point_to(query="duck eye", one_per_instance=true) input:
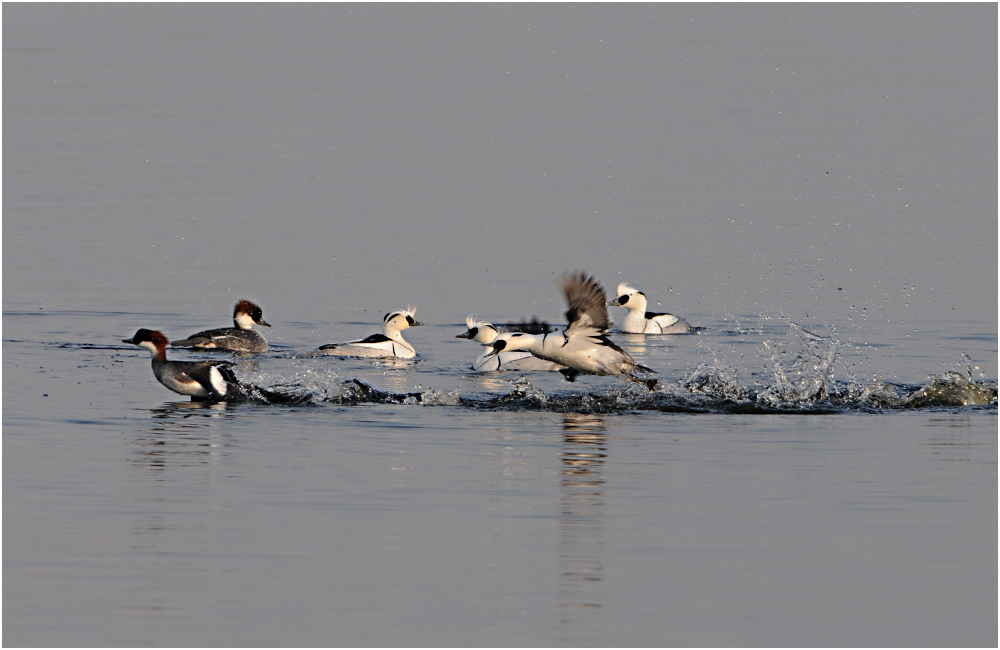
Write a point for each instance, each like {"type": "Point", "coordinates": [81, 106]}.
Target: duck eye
{"type": "Point", "coordinates": [499, 345]}
{"type": "Point", "coordinates": [473, 331]}
{"type": "Point", "coordinates": [409, 320]}
{"type": "Point", "coordinates": [622, 299]}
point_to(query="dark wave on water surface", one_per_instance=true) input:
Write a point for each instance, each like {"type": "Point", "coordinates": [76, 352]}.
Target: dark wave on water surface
{"type": "Point", "coordinates": [706, 391]}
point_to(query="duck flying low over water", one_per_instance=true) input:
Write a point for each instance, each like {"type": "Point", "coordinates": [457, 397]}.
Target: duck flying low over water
{"type": "Point", "coordinates": [640, 321]}
{"type": "Point", "coordinates": [201, 380]}
{"type": "Point", "coordinates": [242, 337]}
{"type": "Point", "coordinates": [583, 347]}
{"type": "Point", "coordinates": [390, 343]}
{"type": "Point", "coordinates": [484, 333]}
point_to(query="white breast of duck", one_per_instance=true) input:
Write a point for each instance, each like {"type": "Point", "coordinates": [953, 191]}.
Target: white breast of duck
{"type": "Point", "coordinates": [640, 321]}
{"type": "Point", "coordinates": [390, 343]}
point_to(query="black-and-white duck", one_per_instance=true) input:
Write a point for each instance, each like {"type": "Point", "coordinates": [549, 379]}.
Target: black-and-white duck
{"type": "Point", "coordinates": [390, 343]}
{"type": "Point", "coordinates": [640, 321]}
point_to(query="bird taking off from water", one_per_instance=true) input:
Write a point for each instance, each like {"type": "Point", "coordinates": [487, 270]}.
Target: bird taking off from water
{"type": "Point", "coordinates": [583, 347]}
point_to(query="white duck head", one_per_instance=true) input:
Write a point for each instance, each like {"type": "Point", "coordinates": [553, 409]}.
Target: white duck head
{"type": "Point", "coordinates": [479, 331]}
{"type": "Point", "coordinates": [397, 321]}
{"type": "Point", "coordinates": [630, 298]}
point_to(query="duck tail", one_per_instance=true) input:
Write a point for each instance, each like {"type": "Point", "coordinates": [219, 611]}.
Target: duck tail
{"type": "Point", "coordinates": [648, 382]}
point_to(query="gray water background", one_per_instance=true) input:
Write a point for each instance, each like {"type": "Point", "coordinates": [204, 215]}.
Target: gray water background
{"type": "Point", "coordinates": [746, 166]}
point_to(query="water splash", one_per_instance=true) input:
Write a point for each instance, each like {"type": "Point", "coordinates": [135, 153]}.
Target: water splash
{"type": "Point", "coordinates": [706, 390]}
{"type": "Point", "coordinates": [952, 389]}
{"type": "Point", "coordinates": [802, 368]}
{"type": "Point", "coordinates": [800, 379]}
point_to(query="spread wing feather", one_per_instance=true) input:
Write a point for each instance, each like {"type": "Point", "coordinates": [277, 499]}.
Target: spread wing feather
{"type": "Point", "coordinates": [587, 301]}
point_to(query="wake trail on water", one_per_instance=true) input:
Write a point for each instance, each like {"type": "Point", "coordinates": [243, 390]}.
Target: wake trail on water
{"type": "Point", "coordinates": [707, 390]}
{"type": "Point", "coordinates": [800, 381]}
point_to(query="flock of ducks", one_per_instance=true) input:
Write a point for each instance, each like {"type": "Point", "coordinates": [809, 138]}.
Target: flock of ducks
{"type": "Point", "coordinates": [583, 347]}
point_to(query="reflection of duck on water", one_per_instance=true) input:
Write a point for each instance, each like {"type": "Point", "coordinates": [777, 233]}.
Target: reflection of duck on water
{"type": "Point", "coordinates": [584, 422]}
{"type": "Point", "coordinates": [187, 409]}
{"type": "Point", "coordinates": [581, 520]}
{"type": "Point", "coordinates": [586, 443]}
{"type": "Point", "coordinates": [182, 434]}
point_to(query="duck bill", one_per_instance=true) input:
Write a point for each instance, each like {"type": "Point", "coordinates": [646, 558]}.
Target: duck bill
{"type": "Point", "coordinates": [263, 322]}
{"type": "Point", "coordinates": [467, 335]}
{"type": "Point", "coordinates": [497, 346]}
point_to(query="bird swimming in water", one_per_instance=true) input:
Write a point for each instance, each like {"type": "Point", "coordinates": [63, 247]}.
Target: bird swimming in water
{"type": "Point", "coordinates": [390, 343]}
{"type": "Point", "coordinates": [242, 337]}
{"type": "Point", "coordinates": [206, 381]}
{"type": "Point", "coordinates": [201, 380]}
{"type": "Point", "coordinates": [640, 321]}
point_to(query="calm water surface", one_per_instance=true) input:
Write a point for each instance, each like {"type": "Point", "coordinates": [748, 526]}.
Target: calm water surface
{"type": "Point", "coordinates": [814, 188]}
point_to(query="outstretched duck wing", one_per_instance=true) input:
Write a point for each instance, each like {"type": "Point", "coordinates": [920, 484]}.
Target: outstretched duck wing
{"type": "Point", "coordinates": [587, 301]}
